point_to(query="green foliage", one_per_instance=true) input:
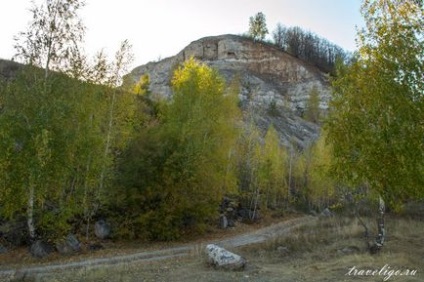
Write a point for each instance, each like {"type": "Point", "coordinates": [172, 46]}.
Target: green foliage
{"type": "Point", "coordinates": [313, 166]}
{"type": "Point", "coordinates": [176, 172]}
{"type": "Point", "coordinates": [60, 135]}
{"type": "Point", "coordinates": [248, 164]}
{"type": "Point", "coordinates": [142, 87]}
{"type": "Point", "coordinates": [272, 109]}
{"type": "Point", "coordinates": [273, 170]}
{"type": "Point", "coordinates": [312, 110]}
{"type": "Point", "coordinates": [375, 124]}
{"type": "Point", "coordinates": [257, 27]}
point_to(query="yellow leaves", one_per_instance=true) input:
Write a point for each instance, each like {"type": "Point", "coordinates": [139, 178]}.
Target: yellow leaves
{"type": "Point", "coordinates": [142, 87]}
{"type": "Point", "coordinates": [197, 75]}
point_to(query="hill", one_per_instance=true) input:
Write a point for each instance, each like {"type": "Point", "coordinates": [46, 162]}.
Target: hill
{"type": "Point", "coordinates": [274, 86]}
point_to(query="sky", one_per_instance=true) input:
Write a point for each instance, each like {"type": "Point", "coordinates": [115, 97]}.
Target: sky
{"type": "Point", "coordinates": [161, 28]}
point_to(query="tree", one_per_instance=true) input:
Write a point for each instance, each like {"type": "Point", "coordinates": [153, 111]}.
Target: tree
{"type": "Point", "coordinates": [279, 36]}
{"type": "Point", "coordinates": [273, 171]}
{"type": "Point", "coordinates": [312, 110]}
{"type": "Point", "coordinates": [53, 36]}
{"type": "Point", "coordinates": [319, 189]}
{"type": "Point", "coordinates": [309, 47]}
{"type": "Point", "coordinates": [65, 132]}
{"type": "Point", "coordinates": [375, 124]}
{"type": "Point", "coordinates": [257, 27]}
{"type": "Point", "coordinates": [175, 174]}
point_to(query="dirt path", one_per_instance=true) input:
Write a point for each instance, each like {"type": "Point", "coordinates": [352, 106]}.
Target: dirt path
{"type": "Point", "coordinates": [257, 236]}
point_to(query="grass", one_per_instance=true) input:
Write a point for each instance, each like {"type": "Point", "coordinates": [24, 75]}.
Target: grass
{"type": "Point", "coordinates": [327, 251]}
{"type": "Point", "coordinates": [322, 251]}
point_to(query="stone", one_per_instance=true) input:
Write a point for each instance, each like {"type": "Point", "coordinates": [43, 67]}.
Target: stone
{"type": "Point", "coordinates": [3, 249]}
{"type": "Point", "coordinates": [40, 249]}
{"type": "Point", "coordinates": [326, 213]}
{"type": "Point", "coordinates": [223, 222]}
{"type": "Point", "coordinates": [102, 229]}
{"type": "Point", "coordinates": [268, 76]}
{"type": "Point", "coordinates": [95, 247]}
{"type": "Point", "coordinates": [15, 232]}
{"type": "Point", "coordinates": [220, 258]}
{"type": "Point", "coordinates": [349, 250]}
{"type": "Point", "coordinates": [68, 246]}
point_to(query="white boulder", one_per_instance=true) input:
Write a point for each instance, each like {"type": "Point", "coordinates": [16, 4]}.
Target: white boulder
{"type": "Point", "coordinates": [221, 258]}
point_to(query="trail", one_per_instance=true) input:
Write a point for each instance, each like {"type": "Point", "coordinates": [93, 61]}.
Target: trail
{"type": "Point", "coordinates": [258, 236]}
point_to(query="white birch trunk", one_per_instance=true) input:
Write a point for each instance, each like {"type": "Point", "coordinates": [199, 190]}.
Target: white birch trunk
{"type": "Point", "coordinates": [30, 213]}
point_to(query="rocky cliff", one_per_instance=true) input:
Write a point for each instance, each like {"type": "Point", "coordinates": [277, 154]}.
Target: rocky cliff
{"type": "Point", "coordinates": [274, 85]}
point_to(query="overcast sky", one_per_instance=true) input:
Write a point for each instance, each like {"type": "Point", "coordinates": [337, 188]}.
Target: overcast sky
{"type": "Point", "coordinates": [161, 28]}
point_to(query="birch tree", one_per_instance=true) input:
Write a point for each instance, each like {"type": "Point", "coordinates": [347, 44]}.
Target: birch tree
{"type": "Point", "coordinates": [377, 109]}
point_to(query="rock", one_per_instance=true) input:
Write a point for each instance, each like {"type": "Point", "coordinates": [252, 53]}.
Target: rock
{"type": "Point", "coordinates": [326, 213]}
{"type": "Point", "coordinates": [15, 232]}
{"type": "Point", "coordinates": [223, 259]}
{"type": "Point", "coordinates": [68, 246]}
{"type": "Point", "coordinates": [40, 249]}
{"type": "Point", "coordinates": [95, 247]}
{"type": "Point", "coordinates": [223, 222]}
{"type": "Point", "coordinates": [231, 223]}
{"type": "Point", "coordinates": [269, 79]}
{"type": "Point", "coordinates": [101, 229]}
{"type": "Point", "coordinates": [3, 249]}
{"type": "Point", "coordinates": [349, 250]}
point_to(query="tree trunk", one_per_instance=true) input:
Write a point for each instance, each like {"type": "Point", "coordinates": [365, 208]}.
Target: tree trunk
{"type": "Point", "coordinates": [379, 240]}
{"type": "Point", "coordinates": [30, 213]}
{"type": "Point", "coordinates": [108, 141]}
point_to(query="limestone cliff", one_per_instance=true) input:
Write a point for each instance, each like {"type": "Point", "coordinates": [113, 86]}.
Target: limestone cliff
{"type": "Point", "coordinates": [274, 84]}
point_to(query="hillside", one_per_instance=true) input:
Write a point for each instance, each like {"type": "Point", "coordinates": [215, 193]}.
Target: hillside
{"type": "Point", "coordinates": [275, 86]}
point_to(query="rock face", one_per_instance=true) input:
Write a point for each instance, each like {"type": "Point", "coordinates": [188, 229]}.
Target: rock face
{"type": "Point", "coordinates": [275, 86]}
{"type": "Point", "coordinates": [223, 259]}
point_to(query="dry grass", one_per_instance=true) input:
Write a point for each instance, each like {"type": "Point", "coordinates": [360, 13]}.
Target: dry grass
{"type": "Point", "coordinates": [327, 251]}
{"type": "Point", "coordinates": [323, 251]}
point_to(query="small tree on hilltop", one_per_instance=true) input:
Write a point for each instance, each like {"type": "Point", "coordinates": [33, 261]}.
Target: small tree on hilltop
{"type": "Point", "coordinates": [257, 27]}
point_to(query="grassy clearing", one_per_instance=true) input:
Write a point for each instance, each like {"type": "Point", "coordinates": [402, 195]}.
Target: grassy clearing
{"type": "Point", "coordinates": [322, 251]}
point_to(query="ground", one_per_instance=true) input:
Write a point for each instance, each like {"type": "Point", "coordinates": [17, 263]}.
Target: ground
{"type": "Point", "coordinates": [321, 249]}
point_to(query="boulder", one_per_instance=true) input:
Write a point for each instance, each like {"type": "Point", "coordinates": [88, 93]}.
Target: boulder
{"type": "Point", "coordinates": [15, 231]}
{"type": "Point", "coordinates": [349, 250]}
{"type": "Point", "coordinates": [326, 213]}
{"type": "Point", "coordinates": [223, 259]}
{"type": "Point", "coordinates": [95, 247]}
{"type": "Point", "coordinates": [40, 249]}
{"type": "Point", "coordinates": [3, 249]}
{"type": "Point", "coordinates": [69, 245]}
{"type": "Point", "coordinates": [223, 222]}
{"type": "Point", "coordinates": [101, 229]}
